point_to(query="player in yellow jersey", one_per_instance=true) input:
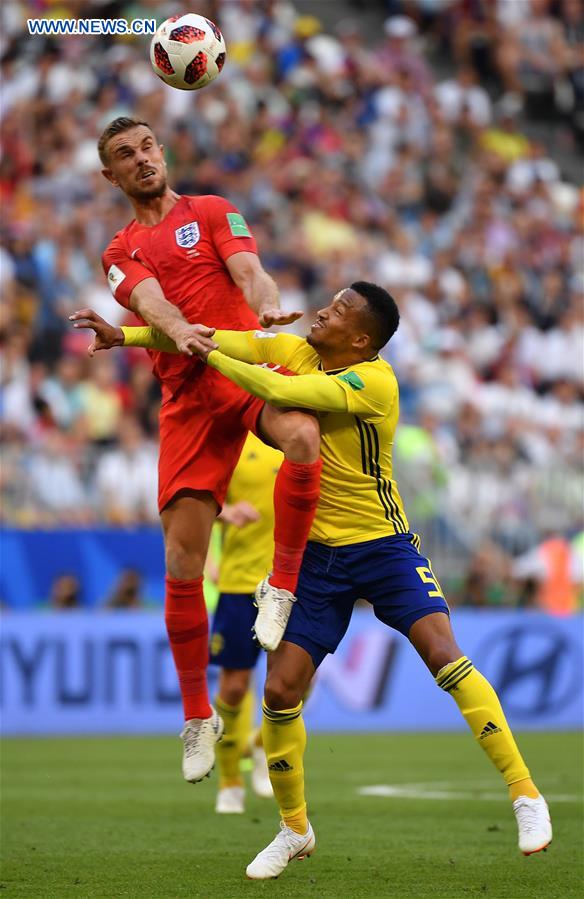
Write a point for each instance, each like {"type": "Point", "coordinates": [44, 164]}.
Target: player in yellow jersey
{"type": "Point", "coordinates": [360, 546]}
{"type": "Point", "coordinates": [247, 547]}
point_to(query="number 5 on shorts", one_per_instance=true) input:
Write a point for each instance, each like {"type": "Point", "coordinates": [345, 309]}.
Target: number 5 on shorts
{"type": "Point", "coordinates": [428, 577]}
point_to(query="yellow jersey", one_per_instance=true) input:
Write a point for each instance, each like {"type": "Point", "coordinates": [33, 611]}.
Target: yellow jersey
{"type": "Point", "coordinates": [359, 499]}
{"type": "Point", "coordinates": [358, 409]}
{"type": "Point", "coordinates": [246, 552]}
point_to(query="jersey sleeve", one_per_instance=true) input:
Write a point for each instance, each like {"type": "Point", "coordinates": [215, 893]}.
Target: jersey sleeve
{"type": "Point", "coordinates": [229, 230]}
{"type": "Point", "coordinates": [304, 391]}
{"type": "Point", "coordinates": [122, 272]}
{"type": "Point", "coordinates": [259, 346]}
{"type": "Point", "coordinates": [149, 338]}
{"type": "Point", "coordinates": [370, 394]}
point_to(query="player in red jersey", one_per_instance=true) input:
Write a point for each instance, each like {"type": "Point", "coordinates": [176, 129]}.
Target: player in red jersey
{"type": "Point", "coordinates": [182, 260]}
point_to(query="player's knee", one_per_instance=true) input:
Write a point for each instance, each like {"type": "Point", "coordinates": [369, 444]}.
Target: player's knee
{"type": "Point", "coordinates": [233, 695]}
{"type": "Point", "coordinates": [233, 688]}
{"type": "Point", "coordinates": [183, 562]}
{"type": "Point", "coordinates": [281, 692]}
{"type": "Point", "coordinates": [301, 442]}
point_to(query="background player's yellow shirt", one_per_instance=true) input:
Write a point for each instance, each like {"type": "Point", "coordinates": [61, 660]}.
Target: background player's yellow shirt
{"type": "Point", "coordinates": [246, 552]}
{"type": "Point", "coordinates": [359, 499]}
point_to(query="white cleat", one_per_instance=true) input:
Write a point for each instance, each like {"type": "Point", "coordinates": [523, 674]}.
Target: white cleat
{"type": "Point", "coordinates": [199, 736]}
{"type": "Point", "coordinates": [230, 801]}
{"type": "Point", "coordinates": [534, 824]}
{"type": "Point", "coordinates": [287, 845]}
{"type": "Point", "coordinates": [274, 605]}
{"type": "Point", "coordinates": [260, 776]}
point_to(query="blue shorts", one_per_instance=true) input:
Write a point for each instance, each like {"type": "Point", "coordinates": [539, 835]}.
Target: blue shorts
{"type": "Point", "coordinates": [232, 643]}
{"type": "Point", "coordinates": [389, 572]}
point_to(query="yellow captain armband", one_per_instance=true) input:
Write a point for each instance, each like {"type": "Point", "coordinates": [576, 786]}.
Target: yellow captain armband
{"type": "Point", "coordinates": [149, 338]}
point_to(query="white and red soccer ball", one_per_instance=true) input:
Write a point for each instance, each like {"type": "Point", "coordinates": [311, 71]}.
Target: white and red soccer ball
{"type": "Point", "coordinates": [187, 52]}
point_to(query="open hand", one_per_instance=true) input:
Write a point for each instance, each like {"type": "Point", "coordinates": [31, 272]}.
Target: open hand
{"type": "Point", "coordinates": [239, 514]}
{"type": "Point", "coordinates": [194, 339]}
{"type": "Point", "coordinates": [106, 335]}
{"type": "Point", "coordinates": [271, 317]}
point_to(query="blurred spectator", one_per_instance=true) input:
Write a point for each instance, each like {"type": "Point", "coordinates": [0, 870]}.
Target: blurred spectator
{"type": "Point", "coordinates": [65, 593]}
{"type": "Point", "coordinates": [62, 391]}
{"type": "Point", "coordinates": [505, 139]}
{"type": "Point", "coordinates": [399, 54]}
{"type": "Point", "coordinates": [126, 477]}
{"type": "Point", "coordinates": [533, 55]}
{"type": "Point", "coordinates": [555, 571]}
{"type": "Point", "coordinates": [127, 593]}
{"type": "Point", "coordinates": [487, 583]}
{"type": "Point", "coordinates": [56, 484]}
{"type": "Point", "coordinates": [101, 402]}
{"type": "Point", "coordinates": [463, 101]}
{"type": "Point", "coordinates": [524, 174]}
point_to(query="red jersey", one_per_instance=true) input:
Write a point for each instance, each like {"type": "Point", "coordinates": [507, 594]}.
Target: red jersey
{"type": "Point", "coordinates": [186, 252]}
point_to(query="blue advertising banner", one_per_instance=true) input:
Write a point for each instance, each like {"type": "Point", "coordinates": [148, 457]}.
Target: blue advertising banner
{"type": "Point", "coordinates": [31, 561]}
{"type": "Point", "coordinates": [91, 672]}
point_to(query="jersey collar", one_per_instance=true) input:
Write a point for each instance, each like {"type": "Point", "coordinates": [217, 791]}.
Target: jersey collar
{"type": "Point", "coordinates": [337, 371]}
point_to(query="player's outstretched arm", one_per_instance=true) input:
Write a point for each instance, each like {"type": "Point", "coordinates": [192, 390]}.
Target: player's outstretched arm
{"type": "Point", "coordinates": [304, 391]}
{"type": "Point", "coordinates": [259, 289]}
{"type": "Point", "coordinates": [238, 344]}
{"type": "Point", "coordinates": [108, 336]}
{"type": "Point", "coordinates": [105, 337]}
{"type": "Point", "coordinates": [149, 302]}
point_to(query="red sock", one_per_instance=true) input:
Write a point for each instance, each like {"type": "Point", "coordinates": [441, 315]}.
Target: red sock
{"type": "Point", "coordinates": [188, 632]}
{"type": "Point", "coordinates": [295, 497]}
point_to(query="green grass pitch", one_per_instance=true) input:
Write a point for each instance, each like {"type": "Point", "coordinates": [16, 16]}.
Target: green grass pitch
{"type": "Point", "coordinates": [111, 817]}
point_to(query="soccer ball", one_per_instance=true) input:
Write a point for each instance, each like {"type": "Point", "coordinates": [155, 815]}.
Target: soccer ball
{"type": "Point", "coordinates": [187, 52]}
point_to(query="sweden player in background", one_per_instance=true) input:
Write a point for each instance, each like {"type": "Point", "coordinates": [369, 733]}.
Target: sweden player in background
{"type": "Point", "coordinates": [247, 547]}
{"type": "Point", "coordinates": [360, 546]}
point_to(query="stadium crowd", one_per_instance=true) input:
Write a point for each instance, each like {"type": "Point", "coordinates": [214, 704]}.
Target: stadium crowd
{"type": "Point", "coordinates": [402, 160]}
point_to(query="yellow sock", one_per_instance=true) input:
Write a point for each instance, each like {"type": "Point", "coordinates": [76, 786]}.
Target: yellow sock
{"type": "Point", "coordinates": [258, 740]}
{"type": "Point", "coordinates": [482, 711]}
{"type": "Point", "coordinates": [525, 787]}
{"type": "Point", "coordinates": [284, 739]}
{"type": "Point", "coordinates": [245, 722]}
{"type": "Point", "coordinates": [229, 749]}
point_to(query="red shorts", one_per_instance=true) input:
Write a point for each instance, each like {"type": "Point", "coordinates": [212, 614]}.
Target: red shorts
{"type": "Point", "coordinates": [202, 431]}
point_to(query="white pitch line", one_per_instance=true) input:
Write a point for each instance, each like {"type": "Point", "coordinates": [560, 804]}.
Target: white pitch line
{"type": "Point", "coordinates": [425, 791]}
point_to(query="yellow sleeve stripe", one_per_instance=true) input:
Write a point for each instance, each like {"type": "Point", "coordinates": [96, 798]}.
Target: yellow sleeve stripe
{"type": "Point", "coordinates": [370, 466]}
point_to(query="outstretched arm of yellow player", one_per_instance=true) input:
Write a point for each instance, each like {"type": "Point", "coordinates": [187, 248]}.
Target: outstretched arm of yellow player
{"type": "Point", "coordinates": [342, 393]}
{"type": "Point", "coordinates": [149, 338]}
{"type": "Point", "coordinates": [233, 343]}
{"type": "Point", "coordinates": [304, 391]}
{"type": "Point", "coordinates": [249, 346]}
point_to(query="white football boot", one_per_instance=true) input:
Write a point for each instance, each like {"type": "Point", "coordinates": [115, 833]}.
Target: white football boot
{"type": "Point", "coordinates": [534, 824]}
{"type": "Point", "coordinates": [199, 736]}
{"type": "Point", "coordinates": [230, 801]}
{"type": "Point", "coordinates": [260, 776]}
{"type": "Point", "coordinates": [288, 844]}
{"type": "Point", "coordinates": [274, 605]}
